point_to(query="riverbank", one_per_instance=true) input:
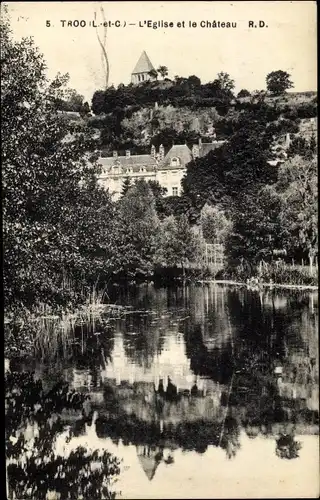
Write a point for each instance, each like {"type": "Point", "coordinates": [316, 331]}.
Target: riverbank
{"type": "Point", "coordinates": [260, 285]}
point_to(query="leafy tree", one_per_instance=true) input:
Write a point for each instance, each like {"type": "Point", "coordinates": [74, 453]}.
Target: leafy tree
{"type": "Point", "coordinates": [51, 217]}
{"type": "Point", "coordinates": [300, 146]}
{"type": "Point", "coordinates": [298, 191]}
{"type": "Point", "coordinates": [175, 205]}
{"type": "Point", "coordinates": [157, 190]}
{"type": "Point", "coordinates": [125, 186]}
{"type": "Point", "coordinates": [226, 82]}
{"type": "Point", "coordinates": [256, 230]}
{"type": "Point", "coordinates": [244, 93]}
{"type": "Point", "coordinates": [215, 225]}
{"type": "Point", "coordinates": [35, 470]}
{"type": "Point", "coordinates": [72, 101]}
{"type": "Point", "coordinates": [163, 71]}
{"type": "Point", "coordinates": [194, 81]}
{"type": "Point", "coordinates": [85, 108]}
{"type": "Point", "coordinates": [177, 244]}
{"type": "Point", "coordinates": [98, 102]}
{"type": "Point", "coordinates": [153, 73]}
{"type": "Point", "coordinates": [236, 168]}
{"type": "Point", "coordinates": [278, 82]}
{"type": "Point", "coordinates": [134, 230]}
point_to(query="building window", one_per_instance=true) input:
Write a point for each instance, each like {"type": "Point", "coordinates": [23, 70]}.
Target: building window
{"type": "Point", "coordinates": [175, 162]}
{"type": "Point", "coordinates": [174, 191]}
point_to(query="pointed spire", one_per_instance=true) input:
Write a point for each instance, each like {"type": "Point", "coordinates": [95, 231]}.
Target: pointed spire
{"type": "Point", "coordinates": [144, 65]}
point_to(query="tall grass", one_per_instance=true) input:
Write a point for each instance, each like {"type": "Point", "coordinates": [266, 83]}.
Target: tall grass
{"type": "Point", "coordinates": [274, 272]}
{"type": "Point", "coordinates": [45, 330]}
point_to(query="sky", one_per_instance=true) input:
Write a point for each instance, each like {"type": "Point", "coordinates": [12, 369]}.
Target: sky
{"type": "Point", "coordinates": [247, 54]}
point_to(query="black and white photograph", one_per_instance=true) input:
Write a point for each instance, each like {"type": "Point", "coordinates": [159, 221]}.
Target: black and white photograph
{"type": "Point", "coordinates": [160, 249]}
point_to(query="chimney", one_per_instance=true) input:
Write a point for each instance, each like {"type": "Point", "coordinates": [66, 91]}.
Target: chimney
{"type": "Point", "coordinates": [195, 151]}
{"type": "Point", "coordinates": [128, 153]}
{"type": "Point", "coordinates": [115, 154]}
{"type": "Point", "coordinates": [153, 151]}
{"type": "Point", "coordinates": [161, 152]}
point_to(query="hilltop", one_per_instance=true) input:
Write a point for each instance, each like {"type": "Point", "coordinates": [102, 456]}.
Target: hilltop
{"type": "Point", "coordinates": [182, 111]}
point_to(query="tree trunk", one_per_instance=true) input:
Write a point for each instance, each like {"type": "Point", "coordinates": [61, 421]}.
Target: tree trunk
{"type": "Point", "coordinates": [310, 262]}
{"type": "Point", "coordinates": [183, 272]}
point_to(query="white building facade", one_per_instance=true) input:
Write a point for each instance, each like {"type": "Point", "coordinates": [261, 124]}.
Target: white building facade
{"type": "Point", "coordinates": [167, 168]}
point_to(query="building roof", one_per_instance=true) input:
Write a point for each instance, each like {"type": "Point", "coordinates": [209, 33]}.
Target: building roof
{"type": "Point", "coordinates": [179, 151]}
{"type": "Point", "coordinates": [135, 162]}
{"type": "Point", "coordinates": [144, 65]}
{"type": "Point", "coordinates": [149, 461]}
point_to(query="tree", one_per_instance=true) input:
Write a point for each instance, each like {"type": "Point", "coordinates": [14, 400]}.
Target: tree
{"type": "Point", "coordinates": [157, 190]}
{"type": "Point", "coordinates": [278, 82]}
{"type": "Point", "coordinates": [244, 93]}
{"type": "Point", "coordinates": [153, 73]}
{"type": "Point", "coordinates": [125, 186]}
{"type": "Point", "coordinates": [73, 101]}
{"type": "Point", "coordinates": [51, 201]}
{"type": "Point", "coordinates": [215, 225]}
{"type": "Point", "coordinates": [194, 81]}
{"type": "Point", "coordinates": [256, 229]}
{"type": "Point", "coordinates": [163, 70]}
{"type": "Point", "coordinates": [177, 245]}
{"type": "Point", "coordinates": [236, 168]}
{"type": "Point", "coordinates": [298, 191]}
{"type": "Point", "coordinates": [134, 230]}
{"type": "Point", "coordinates": [35, 470]}
{"type": "Point", "coordinates": [226, 82]}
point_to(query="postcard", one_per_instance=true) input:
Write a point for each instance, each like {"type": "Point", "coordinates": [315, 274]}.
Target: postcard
{"type": "Point", "coordinates": [160, 249]}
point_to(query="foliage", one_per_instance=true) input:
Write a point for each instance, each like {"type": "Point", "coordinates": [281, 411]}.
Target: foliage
{"type": "Point", "coordinates": [55, 218]}
{"type": "Point", "coordinates": [125, 186]}
{"type": "Point", "coordinates": [181, 92]}
{"type": "Point", "coordinates": [153, 73]}
{"type": "Point", "coordinates": [34, 468]}
{"type": "Point", "coordinates": [300, 146]}
{"type": "Point", "coordinates": [243, 93]}
{"type": "Point", "coordinates": [225, 82]}
{"type": "Point", "coordinates": [163, 71]}
{"type": "Point", "coordinates": [215, 225]}
{"type": "Point", "coordinates": [287, 447]}
{"type": "Point", "coordinates": [274, 272]}
{"type": "Point", "coordinates": [278, 82]}
{"type": "Point", "coordinates": [73, 101]}
{"type": "Point", "coordinates": [134, 229]}
{"type": "Point", "coordinates": [298, 191]}
{"type": "Point", "coordinates": [177, 245]}
{"type": "Point", "coordinates": [256, 230]}
{"type": "Point", "coordinates": [237, 168]}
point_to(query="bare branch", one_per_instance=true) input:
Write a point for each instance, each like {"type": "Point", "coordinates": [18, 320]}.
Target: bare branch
{"type": "Point", "coordinates": [103, 46]}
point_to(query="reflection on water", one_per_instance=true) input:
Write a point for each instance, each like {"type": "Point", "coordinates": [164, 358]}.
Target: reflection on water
{"type": "Point", "coordinates": [187, 371]}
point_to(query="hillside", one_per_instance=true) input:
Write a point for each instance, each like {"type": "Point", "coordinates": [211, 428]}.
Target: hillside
{"type": "Point", "coordinates": [141, 121]}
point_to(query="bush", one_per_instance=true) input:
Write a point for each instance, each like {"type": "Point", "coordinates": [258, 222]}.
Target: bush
{"type": "Point", "coordinates": [309, 110]}
{"type": "Point", "coordinates": [277, 273]}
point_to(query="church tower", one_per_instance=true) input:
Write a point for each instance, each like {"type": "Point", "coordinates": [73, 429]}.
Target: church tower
{"type": "Point", "coordinates": [141, 70]}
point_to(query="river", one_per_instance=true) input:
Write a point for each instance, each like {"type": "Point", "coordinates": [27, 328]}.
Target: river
{"type": "Point", "coordinates": [203, 391]}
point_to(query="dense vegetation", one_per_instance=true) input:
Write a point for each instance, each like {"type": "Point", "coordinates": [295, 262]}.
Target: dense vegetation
{"type": "Point", "coordinates": [62, 233]}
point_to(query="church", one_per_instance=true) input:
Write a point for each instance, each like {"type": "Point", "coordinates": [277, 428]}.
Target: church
{"type": "Point", "coordinates": [141, 71]}
{"type": "Point", "coordinates": [166, 167]}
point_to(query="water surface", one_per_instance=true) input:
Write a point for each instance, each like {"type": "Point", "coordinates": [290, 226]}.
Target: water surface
{"type": "Point", "coordinates": [202, 391]}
